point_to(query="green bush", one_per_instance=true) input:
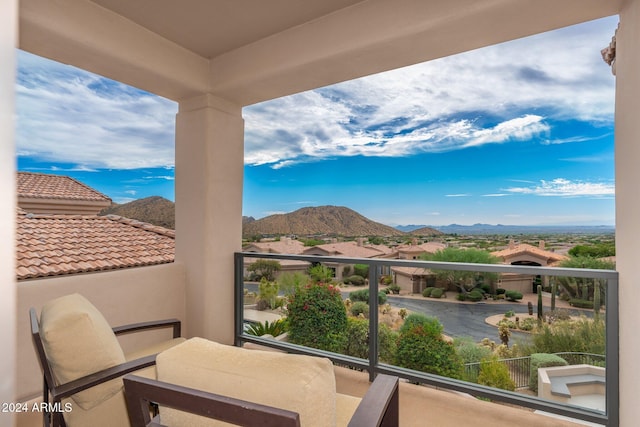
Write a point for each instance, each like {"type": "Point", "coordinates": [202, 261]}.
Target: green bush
{"type": "Point", "coordinates": [475, 296]}
{"type": "Point", "coordinates": [584, 335]}
{"type": "Point", "coordinates": [495, 374]}
{"type": "Point", "coordinates": [357, 338]}
{"type": "Point", "coordinates": [395, 289]}
{"type": "Point", "coordinates": [268, 295]}
{"type": "Point", "coordinates": [509, 313]}
{"type": "Point", "coordinates": [513, 295]}
{"type": "Point", "coordinates": [421, 349]}
{"type": "Point", "coordinates": [427, 291]}
{"type": "Point", "coordinates": [354, 280]}
{"type": "Point", "coordinates": [437, 293]}
{"type": "Point", "coordinates": [486, 288]}
{"type": "Point", "coordinates": [360, 307]}
{"type": "Point", "coordinates": [321, 274]}
{"type": "Point", "coordinates": [508, 323]}
{"type": "Point", "coordinates": [527, 324]}
{"type": "Point", "coordinates": [274, 328]}
{"type": "Point", "coordinates": [387, 343]}
{"type": "Point", "coordinates": [500, 291]}
{"type": "Point", "coordinates": [363, 295]}
{"type": "Point", "coordinates": [361, 270]}
{"type": "Point", "coordinates": [461, 297]}
{"type": "Point", "coordinates": [581, 303]}
{"type": "Point", "coordinates": [469, 351]}
{"type": "Point", "coordinates": [542, 360]}
{"type": "Point", "coordinates": [386, 280]}
{"type": "Point", "coordinates": [317, 317]}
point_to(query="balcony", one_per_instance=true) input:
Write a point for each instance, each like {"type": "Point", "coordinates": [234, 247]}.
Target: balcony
{"type": "Point", "coordinates": [138, 294]}
{"type": "Point", "coordinates": [212, 76]}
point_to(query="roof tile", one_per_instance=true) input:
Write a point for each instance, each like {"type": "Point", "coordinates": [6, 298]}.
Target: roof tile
{"type": "Point", "coordinates": [42, 186]}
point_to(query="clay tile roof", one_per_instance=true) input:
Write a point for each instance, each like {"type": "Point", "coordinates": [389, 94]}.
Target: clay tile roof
{"type": "Point", "coordinates": [41, 186]}
{"type": "Point", "coordinates": [345, 249]}
{"type": "Point", "coordinates": [52, 245]}
{"type": "Point", "coordinates": [523, 248]}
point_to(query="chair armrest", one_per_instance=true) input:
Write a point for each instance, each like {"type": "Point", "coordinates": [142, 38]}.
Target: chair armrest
{"type": "Point", "coordinates": [156, 324]}
{"type": "Point", "coordinates": [83, 383]}
{"type": "Point", "coordinates": [380, 405]}
{"type": "Point", "coordinates": [139, 392]}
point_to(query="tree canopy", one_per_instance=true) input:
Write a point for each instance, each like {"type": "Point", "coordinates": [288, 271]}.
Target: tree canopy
{"type": "Point", "coordinates": [463, 280]}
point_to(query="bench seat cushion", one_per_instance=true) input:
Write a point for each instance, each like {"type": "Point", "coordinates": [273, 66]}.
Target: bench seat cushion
{"type": "Point", "coordinates": [298, 383]}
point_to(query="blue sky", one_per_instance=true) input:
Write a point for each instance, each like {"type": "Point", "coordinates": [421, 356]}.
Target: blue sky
{"type": "Point", "coordinates": [517, 133]}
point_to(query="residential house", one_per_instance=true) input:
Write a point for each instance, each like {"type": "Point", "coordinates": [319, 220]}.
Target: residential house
{"type": "Point", "coordinates": [525, 254]}
{"type": "Point", "coordinates": [350, 249]}
{"type": "Point", "coordinates": [213, 63]}
{"type": "Point", "coordinates": [411, 279]}
{"type": "Point", "coordinates": [286, 245]}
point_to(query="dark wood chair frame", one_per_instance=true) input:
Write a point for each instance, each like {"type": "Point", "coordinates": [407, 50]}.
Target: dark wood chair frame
{"type": "Point", "coordinates": [379, 407]}
{"type": "Point", "coordinates": [54, 393]}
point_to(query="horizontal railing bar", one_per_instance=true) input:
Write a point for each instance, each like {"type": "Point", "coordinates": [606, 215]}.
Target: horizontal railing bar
{"type": "Point", "coordinates": [433, 265]}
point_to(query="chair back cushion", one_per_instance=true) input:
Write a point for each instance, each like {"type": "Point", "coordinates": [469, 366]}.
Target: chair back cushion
{"type": "Point", "coordinates": [298, 383]}
{"type": "Point", "coordinates": [78, 341]}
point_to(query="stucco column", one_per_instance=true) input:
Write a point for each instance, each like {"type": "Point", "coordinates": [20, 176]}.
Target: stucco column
{"type": "Point", "coordinates": [8, 368]}
{"type": "Point", "coordinates": [209, 172]}
{"type": "Point", "coordinates": [627, 137]}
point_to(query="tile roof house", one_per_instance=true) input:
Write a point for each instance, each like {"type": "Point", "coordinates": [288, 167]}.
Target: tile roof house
{"type": "Point", "coordinates": [49, 243]}
{"type": "Point", "coordinates": [56, 194]}
{"type": "Point", "coordinates": [525, 254]}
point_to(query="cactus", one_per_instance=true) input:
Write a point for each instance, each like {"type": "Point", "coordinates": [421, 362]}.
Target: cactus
{"type": "Point", "coordinates": [540, 313]}
{"type": "Point", "coordinates": [530, 308]}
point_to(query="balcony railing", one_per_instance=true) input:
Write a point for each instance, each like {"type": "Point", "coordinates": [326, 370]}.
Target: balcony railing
{"type": "Point", "coordinates": [373, 366]}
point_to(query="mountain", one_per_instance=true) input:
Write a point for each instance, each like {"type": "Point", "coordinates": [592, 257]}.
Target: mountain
{"type": "Point", "coordinates": [155, 210]}
{"type": "Point", "coordinates": [409, 228]}
{"type": "Point", "coordinates": [425, 231]}
{"type": "Point", "coordinates": [332, 220]}
{"type": "Point", "coordinates": [523, 229]}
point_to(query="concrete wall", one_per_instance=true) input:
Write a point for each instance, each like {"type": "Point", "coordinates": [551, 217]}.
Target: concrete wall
{"type": "Point", "coordinates": [123, 296]}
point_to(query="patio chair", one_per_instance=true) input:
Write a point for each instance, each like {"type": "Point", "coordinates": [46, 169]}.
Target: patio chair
{"type": "Point", "coordinates": [203, 383]}
{"type": "Point", "coordinates": [82, 362]}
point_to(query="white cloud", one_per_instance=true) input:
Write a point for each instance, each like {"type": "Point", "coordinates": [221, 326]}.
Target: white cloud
{"type": "Point", "coordinates": [507, 92]}
{"type": "Point", "coordinates": [71, 116]}
{"type": "Point", "coordinates": [561, 187]}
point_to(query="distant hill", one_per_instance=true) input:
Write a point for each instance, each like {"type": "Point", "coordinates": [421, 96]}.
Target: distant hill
{"type": "Point", "coordinates": [331, 220]}
{"type": "Point", "coordinates": [155, 210]}
{"type": "Point", "coordinates": [524, 229]}
{"type": "Point", "coordinates": [425, 231]}
{"type": "Point", "coordinates": [247, 219]}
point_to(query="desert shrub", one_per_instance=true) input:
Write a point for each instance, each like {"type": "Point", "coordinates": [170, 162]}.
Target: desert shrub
{"type": "Point", "coordinates": [527, 324]}
{"type": "Point", "coordinates": [485, 287]}
{"type": "Point", "coordinates": [386, 280]}
{"type": "Point", "coordinates": [495, 374]}
{"type": "Point", "coordinates": [509, 313]}
{"type": "Point", "coordinates": [581, 303]}
{"type": "Point", "coordinates": [508, 323]}
{"type": "Point", "coordinates": [542, 360]}
{"type": "Point", "coordinates": [500, 291]}
{"type": "Point", "coordinates": [461, 297]}
{"type": "Point", "coordinates": [437, 293]}
{"type": "Point", "coordinates": [427, 291]}
{"type": "Point", "coordinates": [363, 295]}
{"type": "Point", "coordinates": [289, 283]}
{"type": "Point", "coordinates": [475, 296]}
{"type": "Point", "coordinates": [361, 270]}
{"type": "Point", "coordinates": [274, 328]}
{"type": "Point", "coordinates": [387, 343]}
{"type": "Point", "coordinates": [584, 335]}
{"type": "Point", "coordinates": [268, 295]}
{"type": "Point", "coordinates": [346, 271]}
{"type": "Point", "coordinates": [469, 351]}
{"type": "Point", "coordinates": [360, 307]}
{"type": "Point", "coordinates": [513, 295]}
{"type": "Point", "coordinates": [354, 280]}
{"type": "Point", "coordinates": [264, 269]}
{"type": "Point", "coordinates": [395, 289]}
{"type": "Point", "coordinates": [422, 348]}
{"type": "Point", "coordinates": [320, 274]}
{"type": "Point", "coordinates": [357, 337]}
{"type": "Point", "coordinates": [317, 317]}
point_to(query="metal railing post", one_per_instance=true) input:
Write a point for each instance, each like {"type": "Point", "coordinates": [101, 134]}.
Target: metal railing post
{"type": "Point", "coordinates": [374, 278]}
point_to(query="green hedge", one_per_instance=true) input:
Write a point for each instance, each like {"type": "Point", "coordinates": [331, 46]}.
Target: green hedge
{"type": "Point", "coordinates": [363, 295]}
{"type": "Point", "coordinates": [354, 280]}
{"type": "Point", "coordinates": [437, 293]}
{"type": "Point", "coordinates": [427, 291]}
{"type": "Point", "coordinates": [542, 360]}
{"type": "Point", "coordinates": [475, 296]}
{"type": "Point", "coordinates": [513, 295]}
{"type": "Point", "coordinates": [360, 307]}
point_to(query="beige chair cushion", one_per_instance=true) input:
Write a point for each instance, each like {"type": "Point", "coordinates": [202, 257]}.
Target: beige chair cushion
{"type": "Point", "coordinates": [78, 341]}
{"type": "Point", "coordinates": [302, 384]}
